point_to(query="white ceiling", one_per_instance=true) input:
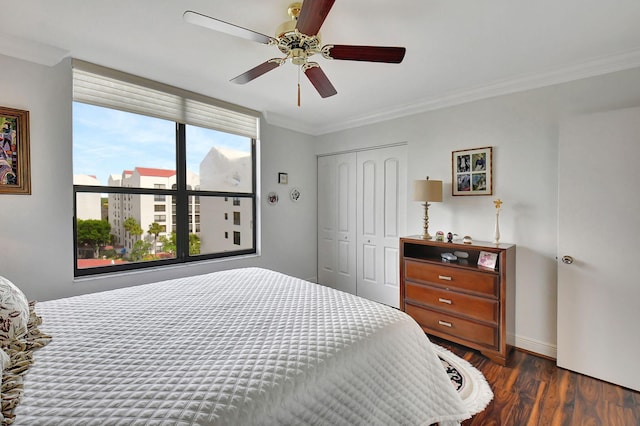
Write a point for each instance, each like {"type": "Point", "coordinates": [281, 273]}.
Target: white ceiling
{"type": "Point", "coordinates": [457, 50]}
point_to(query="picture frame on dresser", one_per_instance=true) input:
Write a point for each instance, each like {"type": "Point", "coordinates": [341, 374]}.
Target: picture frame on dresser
{"type": "Point", "coordinates": [487, 259]}
{"type": "Point", "coordinates": [472, 171]}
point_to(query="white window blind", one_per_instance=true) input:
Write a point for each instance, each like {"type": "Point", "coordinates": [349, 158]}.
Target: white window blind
{"type": "Point", "coordinates": [96, 85]}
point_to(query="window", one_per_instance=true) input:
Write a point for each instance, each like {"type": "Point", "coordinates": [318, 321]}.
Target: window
{"type": "Point", "coordinates": [236, 201]}
{"type": "Point", "coordinates": [160, 150]}
{"type": "Point", "coordinates": [236, 218]}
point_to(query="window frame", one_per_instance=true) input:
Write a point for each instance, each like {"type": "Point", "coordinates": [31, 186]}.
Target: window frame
{"type": "Point", "coordinates": [181, 192]}
{"type": "Point", "coordinates": [182, 215]}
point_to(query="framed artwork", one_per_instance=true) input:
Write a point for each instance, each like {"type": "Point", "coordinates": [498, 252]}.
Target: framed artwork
{"type": "Point", "coordinates": [471, 171]}
{"type": "Point", "coordinates": [14, 152]}
{"type": "Point", "coordinates": [283, 178]}
{"type": "Point", "coordinates": [487, 260]}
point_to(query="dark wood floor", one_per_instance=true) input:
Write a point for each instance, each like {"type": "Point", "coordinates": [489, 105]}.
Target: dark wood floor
{"type": "Point", "coordinates": [532, 391]}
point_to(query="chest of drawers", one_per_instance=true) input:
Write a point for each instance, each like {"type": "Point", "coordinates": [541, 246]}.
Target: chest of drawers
{"type": "Point", "coordinates": [460, 301]}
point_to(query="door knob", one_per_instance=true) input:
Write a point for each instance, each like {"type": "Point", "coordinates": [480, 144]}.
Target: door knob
{"type": "Point", "coordinates": [567, 259]}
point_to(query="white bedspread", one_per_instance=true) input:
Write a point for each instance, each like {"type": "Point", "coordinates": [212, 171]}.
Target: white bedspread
{"type": "Point", "coordinates": [241, 347]}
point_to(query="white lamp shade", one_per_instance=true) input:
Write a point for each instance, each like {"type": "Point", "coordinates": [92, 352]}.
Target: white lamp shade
{"type": "Point", "coordinates": [427, 190]}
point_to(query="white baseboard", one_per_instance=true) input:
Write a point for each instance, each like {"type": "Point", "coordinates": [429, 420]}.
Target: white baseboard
{"type": "Point", "coordinates": [536, 346]}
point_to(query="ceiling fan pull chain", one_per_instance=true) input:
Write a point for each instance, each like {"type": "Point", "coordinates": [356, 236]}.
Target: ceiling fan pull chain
{"type": "Point", "coordinates": [299, 85]}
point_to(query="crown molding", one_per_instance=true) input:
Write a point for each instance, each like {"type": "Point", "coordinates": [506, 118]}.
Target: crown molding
{"type": "Point", "coordinates": [591, 68]}
{"type": "Point", "coordinates": [31, 51]}
{"type": "Point", "coordinates": [286, 122]}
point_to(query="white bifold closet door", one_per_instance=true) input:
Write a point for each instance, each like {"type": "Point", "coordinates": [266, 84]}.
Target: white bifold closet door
{"type": "Point", "coordinates": [361, 216]}
{"type": "Point", "coordinates": [337, 221]}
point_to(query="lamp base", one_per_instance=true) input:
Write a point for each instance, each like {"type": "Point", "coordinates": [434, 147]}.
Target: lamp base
{"type": "Point", "coordinates": [425, 233]}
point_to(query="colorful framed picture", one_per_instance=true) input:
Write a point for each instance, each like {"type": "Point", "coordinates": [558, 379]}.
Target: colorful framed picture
{"type": "Point", "coordinates": [472, 171]}
{"type": "Point", "coordinates": [14, 152]}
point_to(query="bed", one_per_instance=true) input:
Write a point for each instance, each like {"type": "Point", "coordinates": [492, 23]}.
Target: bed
{"type": "Point", "coordinates": [241, 347]}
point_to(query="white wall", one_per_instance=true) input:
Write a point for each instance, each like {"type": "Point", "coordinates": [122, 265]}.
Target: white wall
{"type": "Point", "coordinates": [523, 131]}
{"type": "Point", "coordinates": [36, 235]}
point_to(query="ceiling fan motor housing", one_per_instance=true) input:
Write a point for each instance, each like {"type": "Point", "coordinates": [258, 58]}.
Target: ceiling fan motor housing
{"type": "Point", "coordinates": [291, 42]}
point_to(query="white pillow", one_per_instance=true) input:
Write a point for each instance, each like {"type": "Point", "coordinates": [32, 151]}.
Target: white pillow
{"type": "Point", "coordinates": [14, 312]}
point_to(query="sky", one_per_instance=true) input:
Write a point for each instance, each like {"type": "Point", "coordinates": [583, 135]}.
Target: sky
{"type": "Point", "coordinates": [107, 141]}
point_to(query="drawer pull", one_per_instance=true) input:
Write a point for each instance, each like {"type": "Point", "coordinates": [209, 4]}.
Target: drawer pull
{"type": "Point", "coordinates": [446, 324]}
{"type": "Point", "coordinates": [444, 277]}
{"type": "Point", "coordinates": [447, 301]}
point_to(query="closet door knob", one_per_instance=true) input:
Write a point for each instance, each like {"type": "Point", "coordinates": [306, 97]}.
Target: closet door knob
{"type": "Point", "coordinates": [567, 259]}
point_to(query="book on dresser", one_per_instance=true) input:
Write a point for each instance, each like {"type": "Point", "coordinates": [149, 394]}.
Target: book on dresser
{"type": "Point", "coordinates": [461, 300]}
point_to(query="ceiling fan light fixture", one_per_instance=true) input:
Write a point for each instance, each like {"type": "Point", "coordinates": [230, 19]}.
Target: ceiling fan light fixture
{"type": "Point", "coordinates": [298, 56]}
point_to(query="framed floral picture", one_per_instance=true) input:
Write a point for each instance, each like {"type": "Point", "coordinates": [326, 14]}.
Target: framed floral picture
{"type": "Point", "coordinates": [14, 151]}
{"type": "Point", "coordinates": [471, 171]}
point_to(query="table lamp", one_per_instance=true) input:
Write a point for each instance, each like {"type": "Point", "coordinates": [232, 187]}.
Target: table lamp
{"type": "Point", "coordinates": [427, 190]}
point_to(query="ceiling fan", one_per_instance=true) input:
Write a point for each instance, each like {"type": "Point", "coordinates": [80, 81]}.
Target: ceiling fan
{"type": "Point", "coordinates": [298, 39]}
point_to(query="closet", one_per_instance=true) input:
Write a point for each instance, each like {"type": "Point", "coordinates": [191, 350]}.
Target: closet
{"type": "Point", "coordinates": [362, 199]}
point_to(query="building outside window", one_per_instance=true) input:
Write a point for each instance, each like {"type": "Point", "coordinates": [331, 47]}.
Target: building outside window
{"type": "Point", "coordinates": [216, 161]}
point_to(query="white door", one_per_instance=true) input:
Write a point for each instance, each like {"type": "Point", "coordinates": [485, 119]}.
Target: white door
{"type": "Point", "coordinates": [381, 204]}
{"type": "Point", "coordinates": [337, 221]}
{"type": "Point", "coordinates": [599, 229]}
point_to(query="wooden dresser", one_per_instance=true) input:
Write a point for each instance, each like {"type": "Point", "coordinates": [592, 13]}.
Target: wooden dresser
{"type": "Point", "coordinates": [458, 300]}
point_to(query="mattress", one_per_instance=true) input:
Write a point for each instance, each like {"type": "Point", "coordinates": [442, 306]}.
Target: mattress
{"type": "Point", "coordinates": [241, 347]}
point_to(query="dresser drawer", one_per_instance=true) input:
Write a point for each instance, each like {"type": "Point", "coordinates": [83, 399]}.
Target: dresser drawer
{"type": "Point", "coordinates": [483, 283]}
{"type": "Point", "coordinates": [448, 324]}
{"type": "Point", "coordinates": [446, 300]}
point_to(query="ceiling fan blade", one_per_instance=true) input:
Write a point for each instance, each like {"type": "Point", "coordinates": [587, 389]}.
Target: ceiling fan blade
{"type": "Point", "coordinates": [256, 72]}
{"type": "Point", "coordinates": [312, 15]}
{"type": "Point", "coordinates": [391, 55]}
{"type": "Point", "coordinates": [319, 79]}
{"type": "Point", "coordinates": [224, 27]}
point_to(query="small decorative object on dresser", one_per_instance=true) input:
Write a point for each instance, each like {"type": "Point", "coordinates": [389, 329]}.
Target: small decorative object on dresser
{"type": "Point", "coordinates": [461, 301]}
{"type": "Point", "coordinates": [498, 204]}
